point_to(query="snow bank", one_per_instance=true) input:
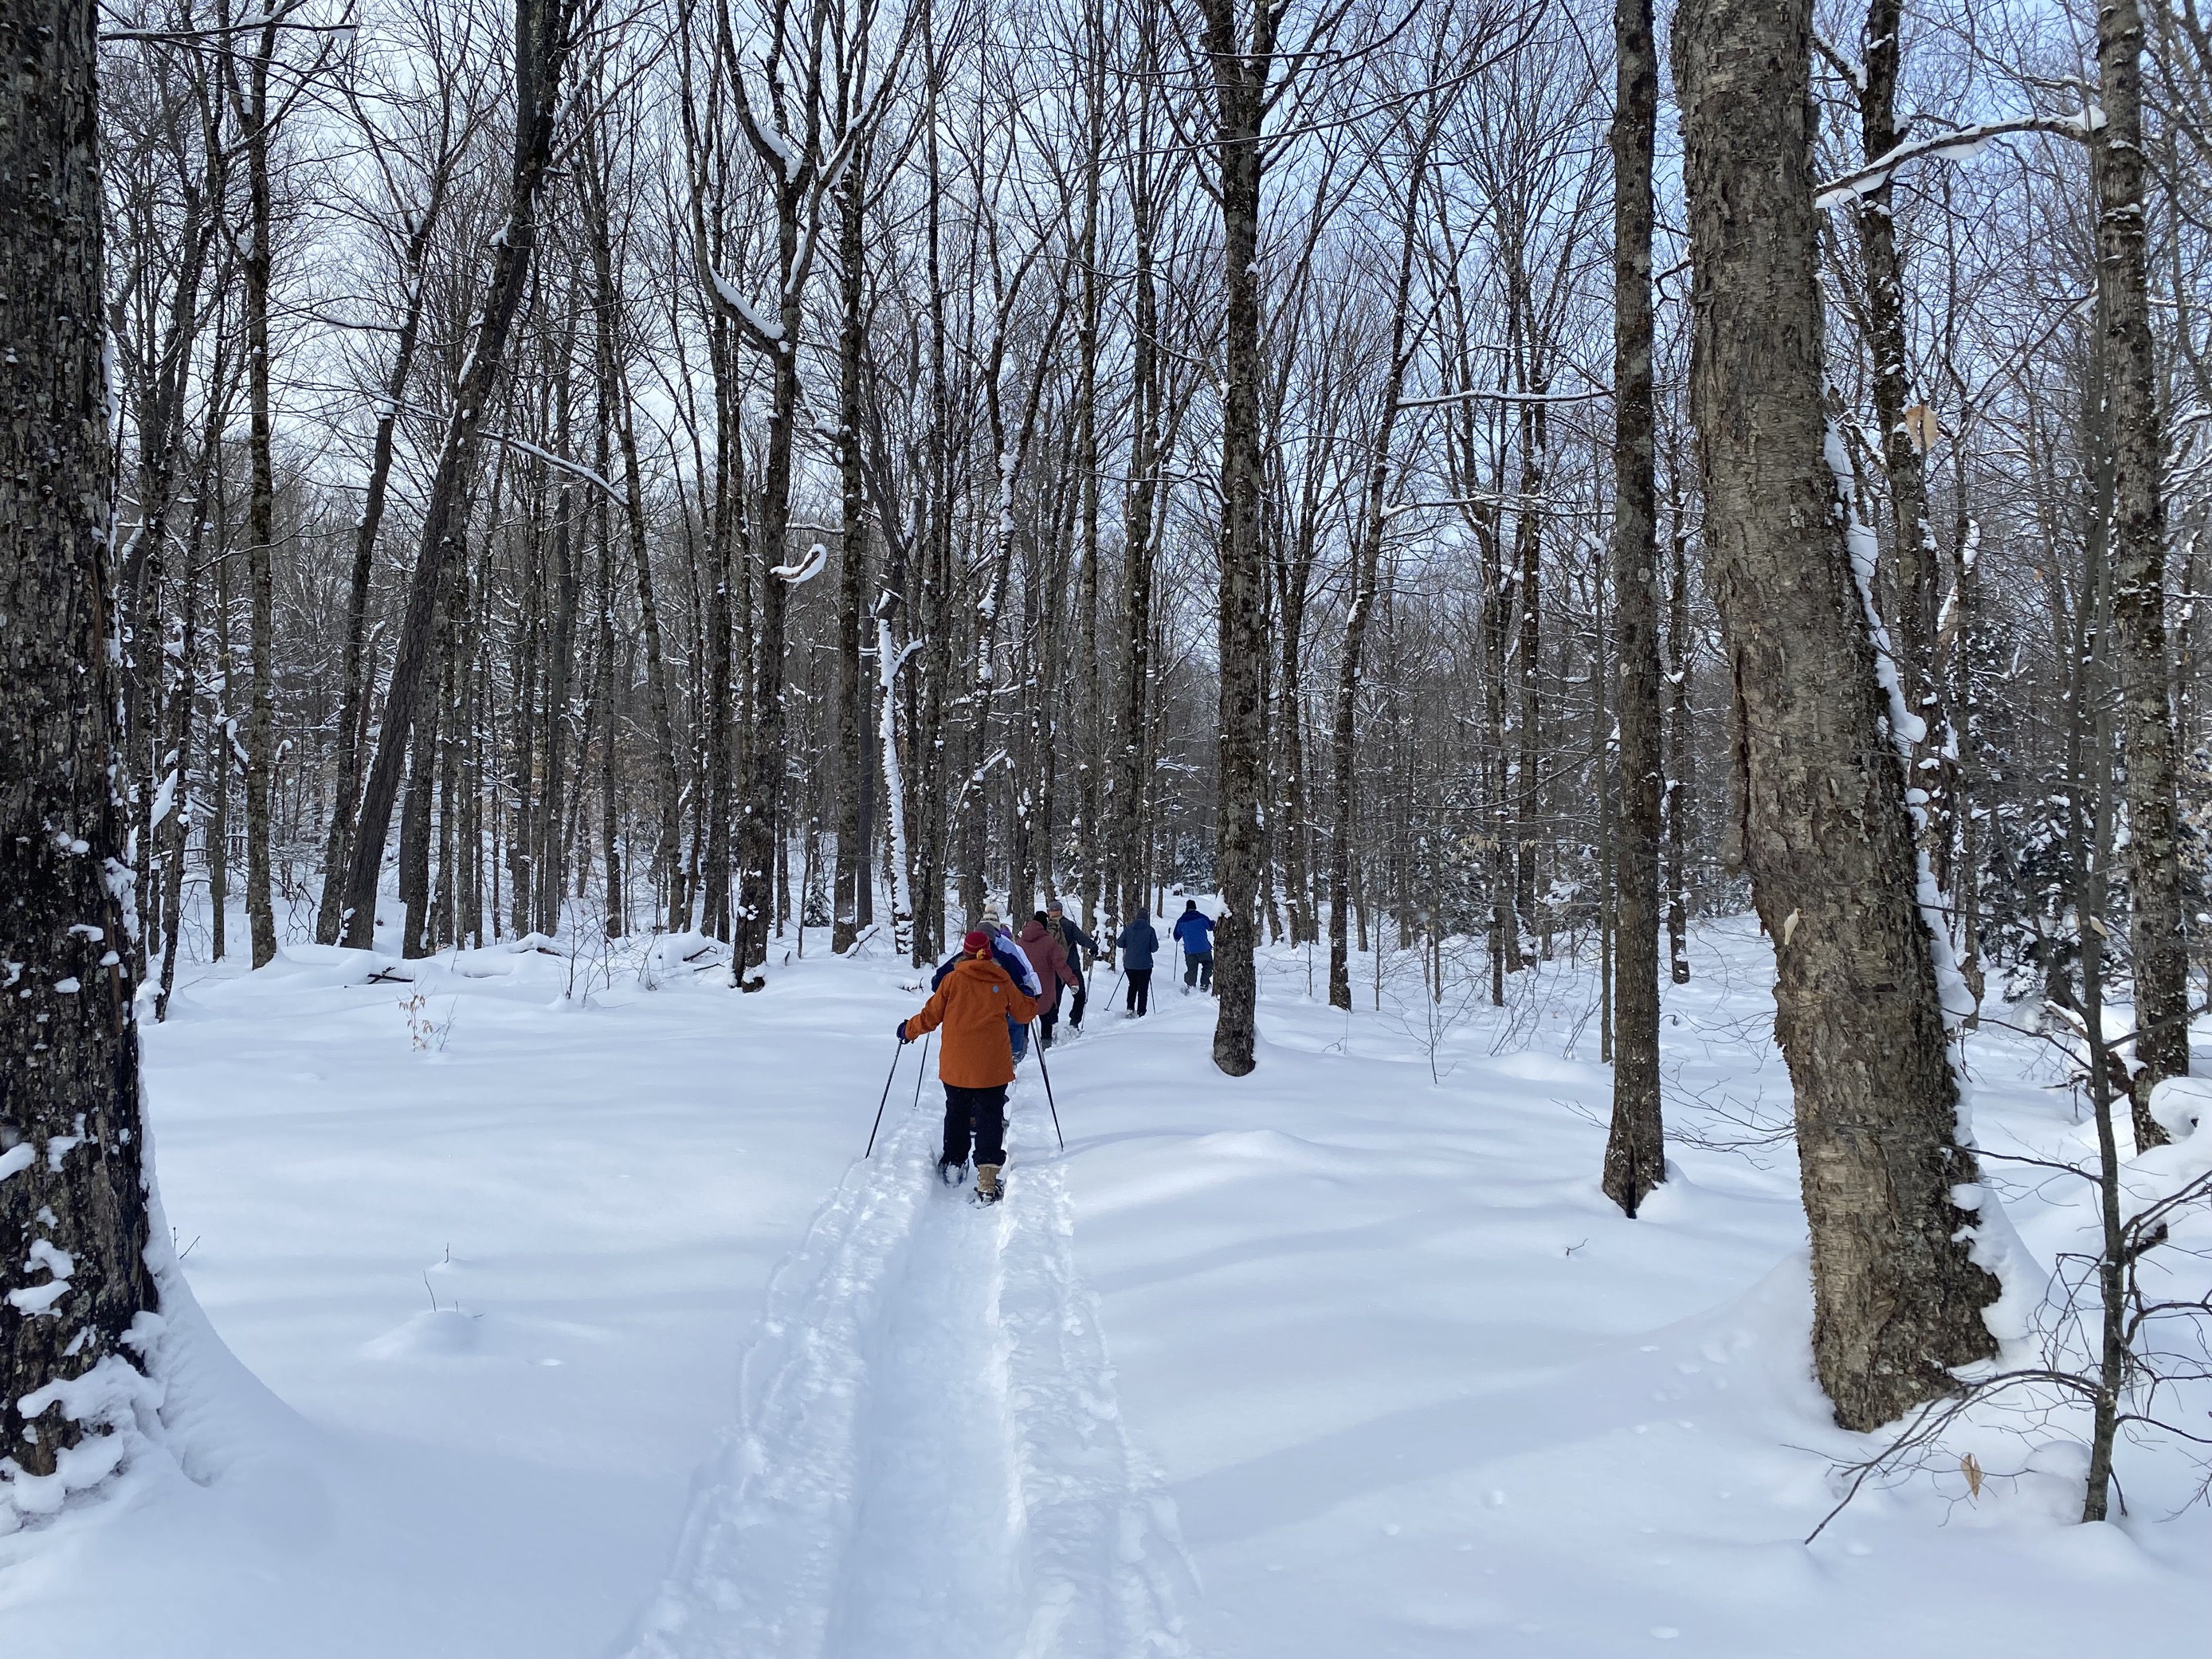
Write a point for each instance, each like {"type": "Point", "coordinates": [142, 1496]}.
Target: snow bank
{"type": "Point", "coordinates": [585, 1330]}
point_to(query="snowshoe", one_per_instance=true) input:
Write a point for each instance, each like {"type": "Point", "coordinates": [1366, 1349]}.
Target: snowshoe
{"type": "Point", "coordinates": [988, 1189]}
{"type": "Point", "coordinates": [951, 1173]}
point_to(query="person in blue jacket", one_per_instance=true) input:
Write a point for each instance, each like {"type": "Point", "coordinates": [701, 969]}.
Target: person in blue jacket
{"type": "Point", "coordinates": [1137, 943]}
{"type": "Point", "coordinates": [1194, 931]}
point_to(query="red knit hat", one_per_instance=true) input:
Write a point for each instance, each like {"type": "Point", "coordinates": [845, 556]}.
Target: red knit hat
{"type": "Point", "coordinates": [976, 943]}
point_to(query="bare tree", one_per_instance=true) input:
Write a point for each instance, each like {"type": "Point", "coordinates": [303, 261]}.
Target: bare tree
{"type": "Point", "coordinates": [544, 36]}
{"type": "Point", "coordinates": [433, 133]}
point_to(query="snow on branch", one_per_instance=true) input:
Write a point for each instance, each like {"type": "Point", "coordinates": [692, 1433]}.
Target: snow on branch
{"type": "Point", "coordinates": [1960, 144]}
{"type": "Point", "coordinates": [1499, 395]}
{"type": "Point", "coordinates": [806, 569]}
{"type": "Point", "coordinates": [769, 331]}
{"type": "Point", "coordinates": [558, 463]}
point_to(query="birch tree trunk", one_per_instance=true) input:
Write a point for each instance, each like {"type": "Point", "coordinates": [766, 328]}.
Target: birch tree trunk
{"type": "Point", "coordinates": [1896, 1296]}
{"type": "Point", "coordinates": [73, 1217]}
{"type": "Point", "coordinates": [1679, 741]}
{"type": "Point", "coordinates": [2156, 937]}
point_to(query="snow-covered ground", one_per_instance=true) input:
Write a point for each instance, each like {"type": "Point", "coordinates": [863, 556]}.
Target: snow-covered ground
{"type": "Point", "coordinates": [578, 1327]}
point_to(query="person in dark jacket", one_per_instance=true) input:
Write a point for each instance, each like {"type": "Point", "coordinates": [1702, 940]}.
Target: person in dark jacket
{"type": "Point", "coordinates": [978, 1003]}
{"type": "Point", "coordinates": [1041, 944]}
{"type": "Point", "coordinates": [1194, 931]}
{"type": "Point", "coordinates": [1082, 950]}
{"type": "Point", "coordinates": [1138, 944]}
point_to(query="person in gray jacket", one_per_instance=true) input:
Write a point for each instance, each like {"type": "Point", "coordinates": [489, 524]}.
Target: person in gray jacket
{"type": "Point", "coordinates": [1138, 945]}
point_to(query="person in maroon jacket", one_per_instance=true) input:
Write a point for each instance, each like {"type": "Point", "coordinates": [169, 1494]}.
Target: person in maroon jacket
{"type": "Point", "coordinates": [1041, 943]}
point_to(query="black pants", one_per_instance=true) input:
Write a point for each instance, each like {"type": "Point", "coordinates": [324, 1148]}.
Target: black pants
{"type": "Point", "coordinates": [984, 1112]}
{"type": "Point", "coordinates": [1046, 1021]}
{"type": "Point", "coordinates": [1199, 971]}
{"type": "Point", "coordinates": [1075, 1012]}
{"type": "Point", "coordinates": [1141, 990]}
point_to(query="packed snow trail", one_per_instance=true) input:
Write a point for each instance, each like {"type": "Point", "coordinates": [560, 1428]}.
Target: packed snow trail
{"type": "Point", "coordinates": [930, 1460]}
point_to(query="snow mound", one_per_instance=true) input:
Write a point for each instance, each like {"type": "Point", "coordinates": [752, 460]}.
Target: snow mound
{"type": "Point", "coordinates": [433, 1334]}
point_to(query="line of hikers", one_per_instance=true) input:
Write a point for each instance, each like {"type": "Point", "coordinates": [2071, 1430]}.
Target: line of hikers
{"type": "Point", "coordinates": [985, 996]}
{"type": "Point", "coordinates": [1138, 944]}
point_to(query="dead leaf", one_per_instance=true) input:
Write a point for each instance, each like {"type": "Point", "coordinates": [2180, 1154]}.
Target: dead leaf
{"type": "Point", "coordinates": [1920, 427]}
{"type": "Point", "coordinates": [1972, 1470]}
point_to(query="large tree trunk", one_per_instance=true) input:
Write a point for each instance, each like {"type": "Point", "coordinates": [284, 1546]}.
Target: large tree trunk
{"type": "Point", "coordinates": [73, 1225]}
{"type": "Point", "coordinates": [541, 50]}
{"type": "Point", "coordinates": [1635, 1149]}
{"type": "Point", "coordinates": [1897, 1296]}
{"type": "Point", "coordinates": [1241, 75]}
{"type": "Point", "coordinates": [2155, 935]}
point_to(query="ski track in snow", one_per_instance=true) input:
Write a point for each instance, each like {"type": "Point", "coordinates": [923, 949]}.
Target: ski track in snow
{"type": "Point", "coordinates": [930, 1458]}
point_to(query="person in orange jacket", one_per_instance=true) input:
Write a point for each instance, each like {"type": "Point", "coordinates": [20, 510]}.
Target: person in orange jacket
{"type": "Point", "coordinates": [975, 1061]}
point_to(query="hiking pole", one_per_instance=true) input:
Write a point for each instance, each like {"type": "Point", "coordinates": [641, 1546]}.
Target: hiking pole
{"type": "Point", "coordinates": [871, 1153]}
{"type": "Point", "coordinates": [1045, 1071]}
{"type": "Point", "coordinates": [922, 1071]}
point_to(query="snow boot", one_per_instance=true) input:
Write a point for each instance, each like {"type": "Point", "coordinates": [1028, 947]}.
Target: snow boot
{"type": "Point", "coordinates": [988, 1190]}
{"type": "Point", "coordinates": [951, 1172]}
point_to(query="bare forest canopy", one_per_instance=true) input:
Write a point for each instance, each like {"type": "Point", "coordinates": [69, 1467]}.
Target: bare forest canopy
{"type": "Point", "coordinates": [947, 278]}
